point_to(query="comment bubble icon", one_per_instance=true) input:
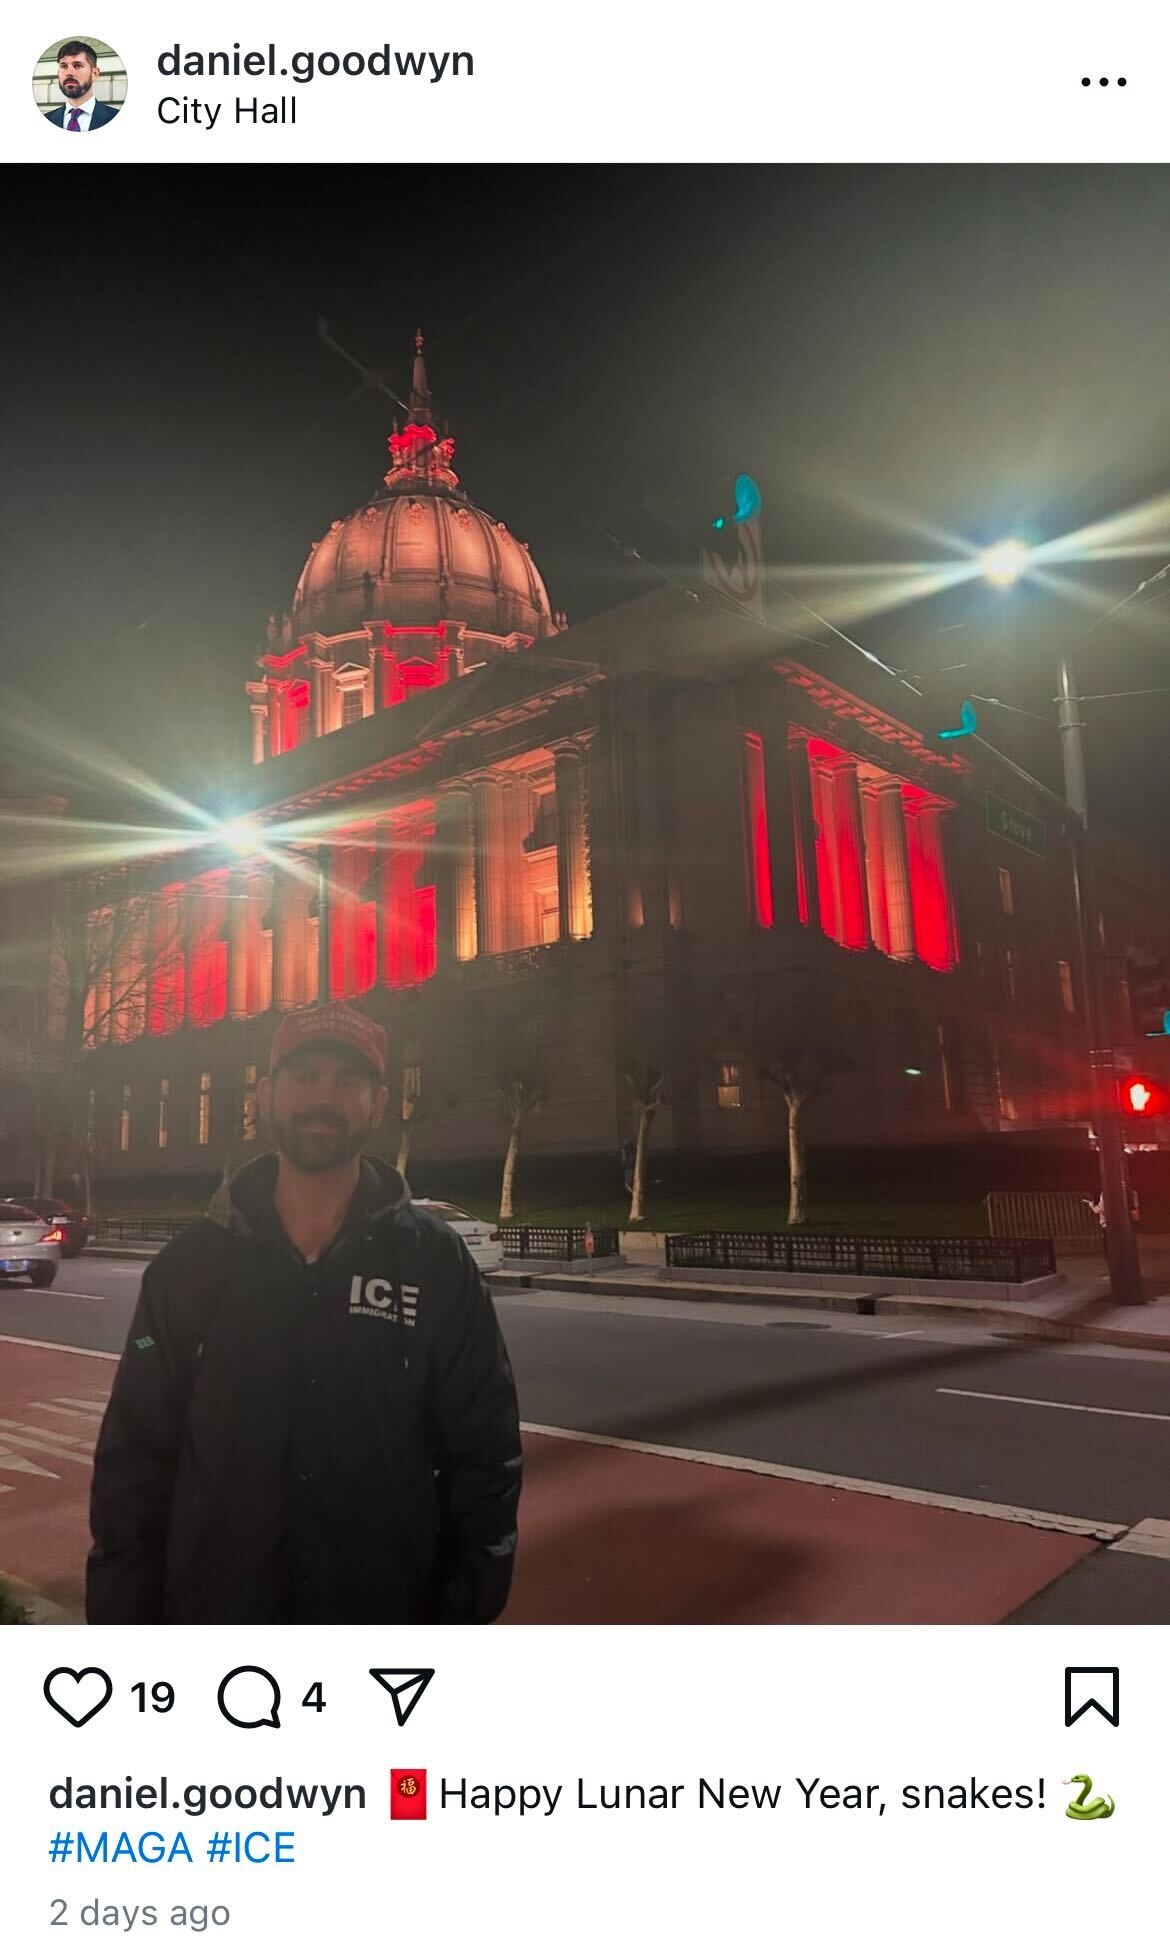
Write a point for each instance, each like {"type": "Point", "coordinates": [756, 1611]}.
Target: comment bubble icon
{"type": "Point", "coordinates": [249, 1698]}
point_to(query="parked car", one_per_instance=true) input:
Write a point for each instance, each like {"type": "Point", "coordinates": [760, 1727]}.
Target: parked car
{"type": "Point", "coordinates": [482, 1239]}
{"type": "Point", "coordinates": [74, 1224]}
{"type": "Point", "coordinates": [29, 1245]}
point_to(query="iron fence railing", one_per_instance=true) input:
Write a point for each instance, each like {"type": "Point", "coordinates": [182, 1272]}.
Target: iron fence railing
{"type": "Point", "coordinates": [1064, 1217]}
{"type": "Point", "coordinates": [137, 1231]}
{"type": "Point", "coordinates": [558, 1241]}
{"type": "Point", "coordinates": [866, 1255]}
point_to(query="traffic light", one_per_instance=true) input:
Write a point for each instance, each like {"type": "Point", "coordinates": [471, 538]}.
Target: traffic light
{"type": "Point", "coordinates": [949, 715]}
{"type": "Point", "coordinates": [1143, 1096]}
{"type": "Point", "coordinates": [1149, 996]}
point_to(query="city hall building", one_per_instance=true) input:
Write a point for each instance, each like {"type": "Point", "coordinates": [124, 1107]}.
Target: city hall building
{"type": "Point", "coordinates": [662, 838]}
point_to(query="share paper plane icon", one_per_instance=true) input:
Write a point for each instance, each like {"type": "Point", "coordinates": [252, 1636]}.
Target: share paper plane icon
{"type": "Point", "coordinates": [405, 1687]}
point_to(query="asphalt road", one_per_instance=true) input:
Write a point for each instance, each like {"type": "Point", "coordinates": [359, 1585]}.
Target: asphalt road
{"type": "Point", "coordinates": [919, 1406]}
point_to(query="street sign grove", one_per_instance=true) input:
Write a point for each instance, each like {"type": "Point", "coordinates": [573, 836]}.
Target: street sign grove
{"type": "Point", "coordinates": [1004, 820]}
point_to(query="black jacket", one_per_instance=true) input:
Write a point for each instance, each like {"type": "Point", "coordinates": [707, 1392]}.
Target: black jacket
{"type": "Point", "coordinates": [335, 1443]}
{"type": "Point", "coordinates": [103, 112]}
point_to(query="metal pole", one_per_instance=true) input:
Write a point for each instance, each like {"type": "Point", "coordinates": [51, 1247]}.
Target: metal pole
{"type": "Point", "coordinates": [1121, 1247]}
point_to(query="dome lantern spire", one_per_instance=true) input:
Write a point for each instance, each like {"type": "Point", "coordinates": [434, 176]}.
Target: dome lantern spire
{"type": "Point", "coordinates": [420, 394]}
{"type": "Point", "coordinates": [418, 454]}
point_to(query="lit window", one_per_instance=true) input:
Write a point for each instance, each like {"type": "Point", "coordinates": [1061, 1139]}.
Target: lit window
{"type": "Point", "coordinates": [250, 1119]}
{"type": "Point", "coordinates": [124, 1123]}
{"type": "Point", "coordinates": [203, 1134]}
{"type": "Point", "coordinates": [729, 1091]}
{"type": "Point", "coordinates": [1068, 999]}
{"type": "Point", "coordinates": [1006, 895]}
{"type": "Point", "coordinates": [1009, 972]}
{"type": "Point", "coordinates": [412, 1082]}
{"type": "Point", "coordinates": [164, 1091]}
{"type": "Point", "coordinates": [352, 706]}
{"type": "Point", "coordinates": [550, 919]}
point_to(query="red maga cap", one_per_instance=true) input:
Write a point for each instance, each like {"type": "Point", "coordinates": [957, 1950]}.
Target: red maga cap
{"type": "Point", "coordinates": [335, 1022]}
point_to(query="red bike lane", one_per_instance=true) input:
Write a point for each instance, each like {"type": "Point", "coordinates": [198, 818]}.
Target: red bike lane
{"type": "Point", "coordinates": [607, 1535]}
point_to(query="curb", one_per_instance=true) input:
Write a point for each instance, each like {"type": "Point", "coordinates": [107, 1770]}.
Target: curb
{"type": "Point", "coordinates": [996, 1313]}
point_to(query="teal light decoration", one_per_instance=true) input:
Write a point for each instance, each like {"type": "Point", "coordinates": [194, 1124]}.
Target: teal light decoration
{"type": "Point", "coordinates": [968, 723]}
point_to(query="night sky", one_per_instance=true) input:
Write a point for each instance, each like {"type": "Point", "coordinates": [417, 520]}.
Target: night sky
{"type": "Point", "coordinates": [983, 351]}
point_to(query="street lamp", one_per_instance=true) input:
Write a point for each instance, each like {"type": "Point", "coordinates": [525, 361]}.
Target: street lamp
{"type": "Point", "coordinates": [1003, 565]}
{"type": "Point", "coordinates": [243, 834]}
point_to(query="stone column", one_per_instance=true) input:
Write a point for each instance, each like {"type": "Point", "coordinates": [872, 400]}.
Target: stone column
{"type": "Point", "coordinates": [489, 881]}
{"type": "Point", "coordinates": [875, 871]}
{"type": "Point", "coordinates": [324, 920]}
{"type": "Point", "coordinates": [574, 897]}
{"type": "Point", "coordinates": [290, 902]}
{"type": "Point", "coordinates": [396, 907]}
{"type": "Point", "coordinates": [896, 872]}
{"type": "Point", "coordinates": [804, 837]}
{"type": "Point", "coordinates": [935, 938]}
{"type": "Point", "coordinates": [849, 850]}
{"type": "Point", "coordinates": [515, 800]}
{"type": "Point", "coordinates": [455, 894]}
{"type": "Point", "coordinates": [237, 962]}
{"type": "Point", "coordinates": [259, 711]}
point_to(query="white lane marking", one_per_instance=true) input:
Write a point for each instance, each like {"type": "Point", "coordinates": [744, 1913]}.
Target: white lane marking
{"type": "Point", "coordinates": [1036, 1402]}
{"type": "Point", "coordinates": [44, 1435]}
{"type": "Point", "coordinates": [62, 1293]}
{"type": "Point", "coordinates": [1150, 1538]}
{"type": "Point", "coordinates": [59, 1347]}
{"type": "Point", "coordinates": [44, 1449]}
{"type": "Point", "coordinates": [864, 1486]}
{"type": "Point", "coordinates": [74, 1410]}
{"type": "Point", "coordinates": [82, 1402]}
{"type": "Point", "coordinates": [10, 1461]}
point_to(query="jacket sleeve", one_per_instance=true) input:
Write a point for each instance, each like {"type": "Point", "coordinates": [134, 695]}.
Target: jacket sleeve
{"type": "Point", "coordinates": [135, 1465]}
{"type": "Point", "coordinates": [478, 1458]}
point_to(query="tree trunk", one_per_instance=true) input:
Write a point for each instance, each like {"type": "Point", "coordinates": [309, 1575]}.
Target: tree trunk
{"type": "Point", "coordinates": [403, 1150]}
{"type": "Point", "coordinates": [638, 1185]}
{"type": "Point", "coordinates": [87, 1185]}
{"type": "Point", "coordinates": [510, 1168]}
{"type": "Point", "coordinates": [796, 1190]}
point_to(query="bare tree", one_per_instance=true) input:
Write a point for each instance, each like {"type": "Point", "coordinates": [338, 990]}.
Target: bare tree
{"type": "Point", "coordinates": [800, 1071]}
{"type": "Point", "coordinates": [414, 1107]}
{"type": "Point", "coordinates": [646, 1082]}
{"type": "Point", "coordinates": [521, 1084]}
{"type": "Point", "coordinates": [94, 989]}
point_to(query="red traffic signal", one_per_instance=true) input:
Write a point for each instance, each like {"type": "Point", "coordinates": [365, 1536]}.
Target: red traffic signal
{"type": "Point", "coordinates": [1140, 1096]}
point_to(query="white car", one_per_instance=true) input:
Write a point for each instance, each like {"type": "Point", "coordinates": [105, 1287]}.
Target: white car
{"type": "Point", "coordinates": [482, 1239]}
{"type": "Point", "coordinates": [29, 1245]}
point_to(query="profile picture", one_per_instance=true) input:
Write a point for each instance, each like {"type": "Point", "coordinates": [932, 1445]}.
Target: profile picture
{"type": "Point", "coordinates": [79, 84]}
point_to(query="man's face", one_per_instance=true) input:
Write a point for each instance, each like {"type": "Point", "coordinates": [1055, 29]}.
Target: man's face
{"type": "Point", "coordinates": [321, 1105]}
{"type": "Point", "coordinates": [75, 77]}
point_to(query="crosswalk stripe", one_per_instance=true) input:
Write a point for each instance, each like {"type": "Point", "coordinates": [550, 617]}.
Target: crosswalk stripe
{"type": "Point", "coordinates": [42, 1449]}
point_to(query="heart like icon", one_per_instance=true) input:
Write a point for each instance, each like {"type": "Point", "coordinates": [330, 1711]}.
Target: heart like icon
{"type": "Point", "coordinates": [405, 1686]}
{"type": "Point", "coordinates": [78, 1696]}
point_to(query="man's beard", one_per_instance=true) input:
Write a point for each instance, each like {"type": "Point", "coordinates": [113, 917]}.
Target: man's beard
{"type": "Point", "coordinates": [73, 88]}
{"type": "Point", "coordinates": [317, 1150]}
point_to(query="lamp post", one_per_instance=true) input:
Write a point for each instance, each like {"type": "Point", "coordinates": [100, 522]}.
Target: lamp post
{"type": "Point", "coordinates": [1002, 566]}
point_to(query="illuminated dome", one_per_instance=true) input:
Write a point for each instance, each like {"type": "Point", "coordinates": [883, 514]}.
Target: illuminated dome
{"type": "Point", "coordinates": [420, 552]}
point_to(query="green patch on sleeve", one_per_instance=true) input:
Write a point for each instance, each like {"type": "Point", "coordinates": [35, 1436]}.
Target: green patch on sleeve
{"type": "Point", "coordinates": [147, 1341]}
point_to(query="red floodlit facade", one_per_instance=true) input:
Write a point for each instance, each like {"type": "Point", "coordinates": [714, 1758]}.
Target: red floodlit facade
{"type": "Point", "coordinates": [658, 835]}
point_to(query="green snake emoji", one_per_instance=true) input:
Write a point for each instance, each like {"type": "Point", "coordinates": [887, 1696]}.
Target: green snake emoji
{"type": "Point", "coordinates": [1081, 1807]}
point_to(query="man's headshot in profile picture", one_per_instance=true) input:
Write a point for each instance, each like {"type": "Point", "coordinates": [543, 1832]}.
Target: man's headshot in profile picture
{"type": "Point", "coordinates": [77, 70]}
